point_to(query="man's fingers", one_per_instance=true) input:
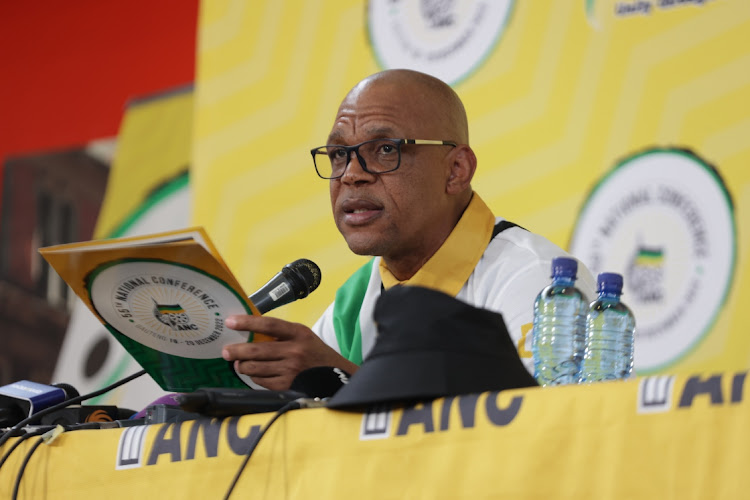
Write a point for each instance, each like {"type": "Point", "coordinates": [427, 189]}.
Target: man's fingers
{"type": "Point", "coordinates": [258, 369]}
{"type": "Point", "coordinates": [262, 351]}
{"type": "Point", "coordinates": [268, 374]}
{"type": "Point", "coordinates": [275, 364]}
{"type": "Point", "coordinates": [275, 327]}
{"type": "Point", "coordinates": [278, 383]}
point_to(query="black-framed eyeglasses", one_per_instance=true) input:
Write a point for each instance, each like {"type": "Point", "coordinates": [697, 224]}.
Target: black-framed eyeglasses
{"type": "Point", "coordinates": [377, 156]}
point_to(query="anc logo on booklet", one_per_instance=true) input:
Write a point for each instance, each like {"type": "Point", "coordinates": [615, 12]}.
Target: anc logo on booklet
{"type": "Point", "coordinates": [169, 307]}
{"type": "Point", "coordinates": [663, 219]}
{"type": "Point", "coordinates": [448, 39]}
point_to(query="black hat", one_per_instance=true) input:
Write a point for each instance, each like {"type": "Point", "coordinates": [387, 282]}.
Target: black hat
{"type": "Point", "coordinates": [432, 345]}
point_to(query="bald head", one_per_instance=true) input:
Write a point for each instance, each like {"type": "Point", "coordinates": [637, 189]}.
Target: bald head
{"type": "Point", "coordinates": [404, 214]}
{"type": "Point", "coordinates": [436, 104]}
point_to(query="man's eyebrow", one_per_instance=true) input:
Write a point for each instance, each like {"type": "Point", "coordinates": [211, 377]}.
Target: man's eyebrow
{"type": "Point", "coordinates": [375, 133]}
{"type": "Point", "coordinates": [381, 132]}
{"type": "Point", "coordinates": [334, 138]}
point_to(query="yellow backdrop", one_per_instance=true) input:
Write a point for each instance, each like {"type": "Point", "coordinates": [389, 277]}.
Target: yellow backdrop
{"type": "Point", "coordinates": [558, 93]}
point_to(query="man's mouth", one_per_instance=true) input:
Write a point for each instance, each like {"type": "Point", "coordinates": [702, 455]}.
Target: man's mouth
{"type": "Point", "coordinates": [360, 212]}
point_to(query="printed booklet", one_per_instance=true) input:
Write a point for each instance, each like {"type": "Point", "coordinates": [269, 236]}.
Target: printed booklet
{"type": "Point", "coordinates": [164, 297]}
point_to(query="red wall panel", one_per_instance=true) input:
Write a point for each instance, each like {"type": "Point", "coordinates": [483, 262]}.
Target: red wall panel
{"type": "Point", "coordinates": [68, 68]}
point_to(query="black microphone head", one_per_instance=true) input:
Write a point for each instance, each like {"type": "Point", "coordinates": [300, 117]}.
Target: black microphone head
{"type": "Point", "coordinates": [320, 381]}
{"type": "Point", "coordinates": [70, 391]}
{"type": "Point", "coordinates": [304, 276]}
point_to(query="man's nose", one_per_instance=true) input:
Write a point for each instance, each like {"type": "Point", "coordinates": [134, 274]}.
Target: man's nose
{"type": "Point", "coordinates": [354, 172]}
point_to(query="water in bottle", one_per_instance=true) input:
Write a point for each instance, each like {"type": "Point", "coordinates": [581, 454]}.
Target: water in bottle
{"type": "Point", "coordinates": [610, 327]}
{"type": "Point", "coordinates": [559, 327]}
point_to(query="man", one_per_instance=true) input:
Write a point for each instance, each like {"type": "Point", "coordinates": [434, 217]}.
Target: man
{"type": "Point", "coordinates": [409, 203]}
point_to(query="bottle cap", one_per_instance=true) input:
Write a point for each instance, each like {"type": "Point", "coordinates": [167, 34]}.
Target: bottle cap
{"type": "Point", "coordinates": [564, 267]}
{"type": "Point", "coordinates": [609, 283]}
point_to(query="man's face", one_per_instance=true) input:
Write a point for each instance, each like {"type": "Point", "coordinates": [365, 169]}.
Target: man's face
{"type": "Point", "coordinates": [400, 214]}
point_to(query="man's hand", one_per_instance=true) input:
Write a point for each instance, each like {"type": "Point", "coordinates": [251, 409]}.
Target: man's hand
{"type": "Point", "coordinates": [275, 364]}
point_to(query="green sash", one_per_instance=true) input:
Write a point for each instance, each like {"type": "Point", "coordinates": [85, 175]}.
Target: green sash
{"type": "Point", "coordinates": [346, 308]}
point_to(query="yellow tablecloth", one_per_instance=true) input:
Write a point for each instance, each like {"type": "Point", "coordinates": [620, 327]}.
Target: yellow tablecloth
{"type": "Point", "coordinates": [656, 437]}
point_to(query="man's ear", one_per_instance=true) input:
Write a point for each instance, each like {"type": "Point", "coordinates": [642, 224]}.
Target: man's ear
{"type": "Point", "coordinates": [462, 169]}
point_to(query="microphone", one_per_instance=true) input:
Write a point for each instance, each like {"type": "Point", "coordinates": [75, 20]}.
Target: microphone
{"type": "Point", "coordinates": [320, 381]}
{"type": "Point", "coordinates": [307, 389]}
{"type": "Point", "coordinates": [23, 399]}
{"type": "Point", "coordinates": [67, 402]}
{"type": "Point", "coordinates": [224, 402]}
{"type": "Point", "coordinates": [295, 281]}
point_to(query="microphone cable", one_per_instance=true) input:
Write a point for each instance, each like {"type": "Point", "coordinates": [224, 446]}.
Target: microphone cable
{"type": "Point", "coordinates": [4, 438]}
{"type": "Point", "coordinates": [21, 439]}
{"type": "Point", "coordinates": [39, 432]}
{"type": "Point", "coordinates": [22, 469]}
{"type": "Point", "coordinates": [292, 405]}
{"type": "Point", "coordinates": [320, 383]}
{"type": "Point", "coordinates": [46, 428]}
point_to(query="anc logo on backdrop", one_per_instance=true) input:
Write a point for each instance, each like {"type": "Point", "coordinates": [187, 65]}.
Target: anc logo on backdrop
{"type": "Point", "coordinates": [448, 39]}
{"type": "Point", "coordinates": [663, 219]}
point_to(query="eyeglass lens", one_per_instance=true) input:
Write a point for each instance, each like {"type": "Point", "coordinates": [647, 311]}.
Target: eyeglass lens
{"type": "Point", "coordinates": [380, 155]}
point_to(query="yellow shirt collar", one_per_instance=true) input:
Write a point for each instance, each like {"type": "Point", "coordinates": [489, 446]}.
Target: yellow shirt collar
{"type": "Point", "coordinates": [453, 263]}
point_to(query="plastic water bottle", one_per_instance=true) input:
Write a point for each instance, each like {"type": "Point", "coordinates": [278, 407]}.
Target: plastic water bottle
{"type": "Point", "coordinates": [610, 327]}
{"type": "Point", "coordinates": [559, 327]}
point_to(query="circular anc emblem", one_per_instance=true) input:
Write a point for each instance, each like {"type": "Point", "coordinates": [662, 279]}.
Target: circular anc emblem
{"type": "Point", "coordinates": [447, 39]}
{"type": "Point", "coordinates": [169, 307]}
{"type": "Point", "coordinates": [664, 220]}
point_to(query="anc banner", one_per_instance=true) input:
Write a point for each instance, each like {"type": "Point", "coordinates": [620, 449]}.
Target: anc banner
{"type": "Point", "coordinates": [656, 437]}
{"type": "Point", "coordinates": [618, 129]}
{"type": "Point", "coordinates": [147, 192]}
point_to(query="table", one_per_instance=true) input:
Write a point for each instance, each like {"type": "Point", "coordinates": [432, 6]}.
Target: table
{"type": "Point", "coordinates": [683, 436]}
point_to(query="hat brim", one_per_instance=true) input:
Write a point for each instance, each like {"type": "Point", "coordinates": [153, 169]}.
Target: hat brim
{"type": "Point", "coordinates": [413, 376]}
